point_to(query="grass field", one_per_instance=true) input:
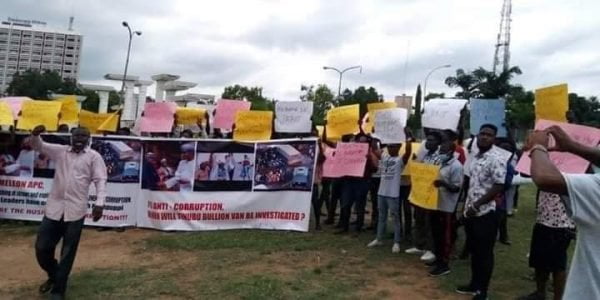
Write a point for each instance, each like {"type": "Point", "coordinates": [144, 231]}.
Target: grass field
{"type": "Point", "coordinates": [252, 264]}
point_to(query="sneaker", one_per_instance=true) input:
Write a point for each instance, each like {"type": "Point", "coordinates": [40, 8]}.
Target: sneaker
{"type": "Point", "coordinates": [466, 290]}
{"type": "Point", "coordinates": [414, 250]}
{"type": "Point", "coordinates": [396, 248]}
{"type": "Point", "coordinates": [480, 296]}
{"type": "Point", "coordinates": [533, 296]}
{"type": "Point", "coordinates": [439, 271]}
{"type": "Point", "coordinates": [428, 256]}
{"type": "Point", "coordinates": [374, 243]}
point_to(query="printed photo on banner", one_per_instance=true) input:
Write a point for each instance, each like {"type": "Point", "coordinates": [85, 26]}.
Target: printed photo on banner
{"type": "Point", "coordinates": [43, 166]}
{"type": "Point", "coordinates": [285, 166]}
{"type": "Point", "coordinates": [122, 158]}
{"type": "Point", "coordinates": [17, 159]}
{"type": "Point", "coordinates": [168, 165]}
{"type": "Point", "coordinates": [224, 166]}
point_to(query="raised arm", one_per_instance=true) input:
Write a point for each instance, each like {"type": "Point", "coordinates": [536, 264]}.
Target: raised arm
{"type": "Point", "coordinates": [544, 173]}
{"type": "Point", "coordinates": [408, 147]}
{"type": "Point", "coordinates": [51, 150]}
{"type": "Point", "coordinates": [566, 144]}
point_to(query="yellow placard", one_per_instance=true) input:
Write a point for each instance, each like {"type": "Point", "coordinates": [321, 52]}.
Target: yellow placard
{"type": "Point", "coordinates": [6, 116]}
{"type": "Point", "coordinates": [423, 193]}
{"type": "Point", "coordinates": [252, 125]}
{"type": "Point", "coordinates": [34, 113]}
{"type": "Point", "coordinates": [372, 108]}
{"type": "Point", "coordinates": [69, 111]}
{"type": "Point", "coordinates": [552, 103]}
{"type": "Point", "coordinates": [98, 122]}
{"type": "Point", "coordinates": [415, 149]}
{"type": "Point", "coordinates": [320, 129]}
{"type": "Point", "coordinates": [189, 115]}
{"type": "Point", "coordinates": [342, 120]}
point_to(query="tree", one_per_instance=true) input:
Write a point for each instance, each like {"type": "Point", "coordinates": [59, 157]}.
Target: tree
{"type": "Point", "coordinates": [323, 100]}
{"type": "Point", "coordinates": [37, 85]}
{"type": "Point", "coordinates": [465, 81]}
{"type": "Point", "coordinates": [252, 94]}
{"type": "Point", "coordinates": [91, 102]}
{"type": "Point", "coordinates": [414, 121]}
{"type": "Point", "coordinates": [492, 85]}
{"type": "Point", "coordinates": [361, 96]}
{"type": "Point", "coordinates": [520, 111]}
{"type": "Point", "coordinates": [585, 111]}
{"type": "Point", "coordinates": [434, 96]}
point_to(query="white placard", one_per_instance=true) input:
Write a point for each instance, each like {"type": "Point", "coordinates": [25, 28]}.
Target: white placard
{"type": "Point", "coordinates": [389, 125]}
{"type": "Point", "coordinates": [443, 113]}
{"type": "Point", "coordinates": [293, 116]}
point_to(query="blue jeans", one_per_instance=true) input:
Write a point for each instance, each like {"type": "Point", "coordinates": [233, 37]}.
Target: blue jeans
{"type": "Point", "coordinates": [392, 204]}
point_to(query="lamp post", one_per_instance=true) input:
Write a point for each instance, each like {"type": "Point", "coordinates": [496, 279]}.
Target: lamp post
{"type": "Point", "coordinates": [342, 73]}
{"type": "Point", "coordinates": [427, 77]}
{"type": "Point", "coordinates": [131, 34]}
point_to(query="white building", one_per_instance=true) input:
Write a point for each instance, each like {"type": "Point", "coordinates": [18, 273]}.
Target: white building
{"type": "Point", "coordinates": [28, 44]}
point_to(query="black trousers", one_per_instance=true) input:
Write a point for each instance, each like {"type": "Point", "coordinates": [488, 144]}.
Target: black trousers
{"type": "Point", "coordinates": [408, 211]}
{"type": "Point", "coordinates": [49, 234]}
{"type": "Point", "coordinates": [317, 204]}
{"type": "Point", "coordinates": [502, 225]}
{"type": "Point", "coordinates": [373, 190]}
{"type": "Point", "coordinates": [336, 195]}
{"type": "Point", "coordinates": [422, 238]}
{"type": "Point", "coordinates": [442, 226]}
{"type": "Point", "coordinates": [481, 238]}
{"type": "Point", "coordinates": [354, 193]}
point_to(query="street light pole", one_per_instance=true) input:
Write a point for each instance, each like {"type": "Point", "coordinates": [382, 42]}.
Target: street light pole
{"type": "Point", "coordinates": [131, 34]}
{"type": "Point", "coordinates": [427, 77]}
{"type": "Point", "coordinates": [341, 73]}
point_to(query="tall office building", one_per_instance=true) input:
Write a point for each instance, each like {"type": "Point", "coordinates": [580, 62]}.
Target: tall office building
{"type": "Point", "coordinates": [30, 44]}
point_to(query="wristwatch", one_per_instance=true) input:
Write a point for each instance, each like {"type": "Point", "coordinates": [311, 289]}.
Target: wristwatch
{"type": "Point", "coordinates": [538, 147]}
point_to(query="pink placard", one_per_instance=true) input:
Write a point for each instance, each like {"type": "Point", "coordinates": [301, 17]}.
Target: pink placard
{"type": "Point", "coordinates": [350, 159]}
{"type": "Point", "coordinates": [328, 165]}
{"type": "Point", "coordinates": [15, 104]}
{"type": "Point", "coordinates": [225, 112]}
{"type": "Point", "coordinates": [158, 117]}
{"type": "Point", "coordinates": [565, 162]}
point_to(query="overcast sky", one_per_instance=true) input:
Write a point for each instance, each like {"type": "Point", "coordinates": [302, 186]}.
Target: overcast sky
{"type": "Point", "coordinates": [281, 45]}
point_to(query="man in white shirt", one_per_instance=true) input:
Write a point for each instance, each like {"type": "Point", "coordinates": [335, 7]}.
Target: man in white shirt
{"type": "Point", "coordinates": [185, 170]}
{"type": "Point", "coordinates": [581, 196]}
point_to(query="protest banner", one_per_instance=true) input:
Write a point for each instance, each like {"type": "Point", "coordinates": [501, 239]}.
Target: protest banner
{"type": "Point", "coordinates": [342, 120]}
{"type": "Point", "coordinates": [488, 111]}
{"type": "Point", "coordinates": [34, 113]}
{"type": "Point", "coordinates": [443, 113]}
{"type": "Point", "coordinates": [189, 115]}
{"type": "Point", "coordinates": [98, 122]}
{"type": "Point", "coordinates": [253, 125]}
{"type": "Point", "coordinates": [226, 110]}
{"type": "Point", "coordinates": [15, 104]}
{"type": "Point", "coordinates": [372, 108]}
{"type": "Point", "coordinates": [6, 116]}
{"type": "Point", "coordinates": [293, 116]}
{"type": "Point", "coordinates": [564, 161]}
{"type": "Point", "coordinates": [389, 125]}
{"type": "Point", "coordinates": [211, 184]}
{"type": "Point", "coordinates": [414, 149]}
{"type": "Point", "coordinates": [329, 163]}
{"type": "Point", "coordinates": [552, 103]}
{"type": "Point", "coordinates": [423, 193]}
{"type": "Point", "coordinates": [350, 159]}
{"type": "Point", "coordinates": [69, 111]}
{"type": "Point", "coordinates": [158, 117]}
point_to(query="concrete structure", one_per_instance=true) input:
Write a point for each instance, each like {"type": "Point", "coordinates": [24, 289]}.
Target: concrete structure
{"type": "Point", "coordinates": [28, 44]}
{"type": "Point", "coordinates": [129, 106]}
{"type": "Point", "coordinates": [140, 97]}
{"type": "Point", "coordinates": [161, 79]}
{"type": "Point", "coordinates": [189, 100]}
{"type": "Point", "coordinates": [103, 92]}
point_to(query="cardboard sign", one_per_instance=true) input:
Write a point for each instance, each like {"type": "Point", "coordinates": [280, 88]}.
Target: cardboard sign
{"type": "Point", "coordinates": [226, 111]}
{"type": "Point", "coordinates": [488, 111]}
{"type": "Point", "coordinates": [189, 115]}
{"type": "Point", "coordinates": [15, 104]}
{"type": "Point", "coordinates": [158, 117]}
{"type": "Point", "coordinates": [565, 162]}
{"type": "Point", "coordinates": [6, 116]}
{"type": "Point", "coordinates": [253, 125]}
{"type": "Point", "coordinates": [372, 109]}
{"type": "Point", "coordinates": [329, 164]}
{"type": "Point", "coordinates": [69, 111]}
{"type": "Point", "coordinates": [414, 149]}
{"type": "Point", "coordinates": [34, 113]}
{"type": "Point", "coordinates": [389, 125]}
{"type": "Point", "coordinates": [350, 159]}
{"type": "Point", "coordinates": [423, 193]}
{"type": "Point", "coordinates": [293, 116]}
{"type": "Point", "coordinates": [443, 113]}
{"type": "Point", "coordinates": [342, 120]}
{"type": "Point", "coordinates": [98, 122]}
{"type": "Point", "coordinates": [552, 103]}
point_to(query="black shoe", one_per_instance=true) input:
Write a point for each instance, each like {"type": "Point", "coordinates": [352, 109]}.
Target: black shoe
{"type": "Point", "coordinates": [46, 286]}
{"type": "Point", "coordinates": [466, 290]}
{"type": "Point", "coordinates": [480, 296]}
{"type": "Point", "coordinates": [54, 296]}
{"type": "Point", "coordinates": [341, 231]}
{"type": "Point", "coordinates": [439, 271]}
{"type": "Point", "coordinates": [103, 229]}
{"type": "Point", "coordinates": [432, 263]}
{"type": "Point", "coordinates": [318, 227]}
{"type": "Point", "coordinates": [533, 296]}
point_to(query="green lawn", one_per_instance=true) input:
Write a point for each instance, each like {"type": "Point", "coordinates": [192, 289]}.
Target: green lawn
{"type": "Point", "coordinates": [253, 264]}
